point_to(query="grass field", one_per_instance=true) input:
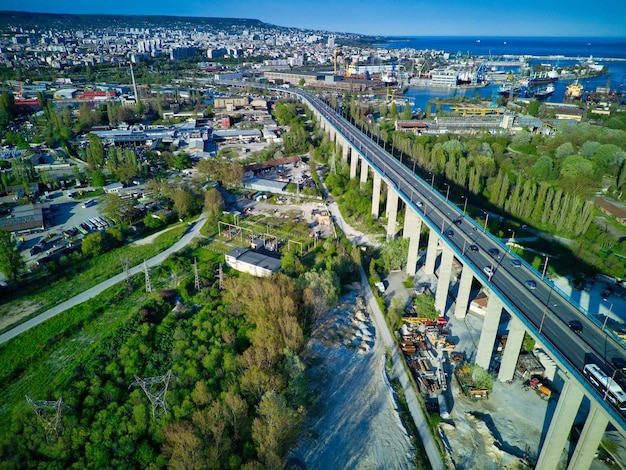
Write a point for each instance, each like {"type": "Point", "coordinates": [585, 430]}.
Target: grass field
{"type": "Point", "coordinates": [60, 285]}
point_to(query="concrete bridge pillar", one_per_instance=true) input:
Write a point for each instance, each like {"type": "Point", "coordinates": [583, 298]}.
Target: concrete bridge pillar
{"type": "Point", "coordinates": [560, 426]}
{"type": "Point", "coordinates": [443, 282]}
{"type": "Point", "coordinates": [410, 219]}
{"type": "Point", "coordinates": [589, 439]}
{"type": "Point", "coordinates": [392, 212]}
{"type": "Point", "coordinates": [345, 155]}
{"type": "Point", "coordinates": [512, 349]}
{"type": "Point", "coordinates": [354, 161]}
{"type": "Point", "coordinates": [431, 252]}
{"type": "Point", "coordinates": [489, 332]}
{"type": "Point", "coordinates": [412, 229]}
{"type": "Point", "coordinates": [376, 196]}
{"type": "Point", "coordinates": [465, 288]}
{"type": "Point", "coordinates": [364, 171]}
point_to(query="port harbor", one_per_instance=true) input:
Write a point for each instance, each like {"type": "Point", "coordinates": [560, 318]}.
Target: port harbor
{"type": "Point", "coordinates": [413, 77]}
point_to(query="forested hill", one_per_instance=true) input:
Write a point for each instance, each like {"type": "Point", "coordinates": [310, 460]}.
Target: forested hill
{"type": "Point", "coordinates": [64, 21]}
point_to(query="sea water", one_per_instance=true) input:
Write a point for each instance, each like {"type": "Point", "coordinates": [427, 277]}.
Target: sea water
{"type": "Point", "coordinates": [559, 52]}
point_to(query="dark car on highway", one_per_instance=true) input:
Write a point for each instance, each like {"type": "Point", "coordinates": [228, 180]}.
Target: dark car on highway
{"type": "Point", "coordinates": [575, 326]}
{"type": "Point", "coordinates": [473, 248]}
{"type": "Point", "coordinates": [619, 364]}
{"type": "Point", "coordinates": [494, 252]}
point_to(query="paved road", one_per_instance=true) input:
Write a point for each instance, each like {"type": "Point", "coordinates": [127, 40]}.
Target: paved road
{"type": "Point", "coordinates": [192, 232]}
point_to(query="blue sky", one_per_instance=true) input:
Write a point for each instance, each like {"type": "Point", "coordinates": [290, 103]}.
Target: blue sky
{"type": "Point", "coordinates": [381, 17]}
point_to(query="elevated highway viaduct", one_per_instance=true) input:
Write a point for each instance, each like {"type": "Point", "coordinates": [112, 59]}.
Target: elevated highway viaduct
{"type": "Point", "coordinates": [544, 312]}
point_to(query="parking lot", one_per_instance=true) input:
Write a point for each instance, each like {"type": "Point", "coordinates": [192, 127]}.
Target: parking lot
{"type": "Point", "coordinates": [64, 213]}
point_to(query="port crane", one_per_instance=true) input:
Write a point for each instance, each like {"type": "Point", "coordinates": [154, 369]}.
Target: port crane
{"type": "Point", "coordinates": [336, 53]}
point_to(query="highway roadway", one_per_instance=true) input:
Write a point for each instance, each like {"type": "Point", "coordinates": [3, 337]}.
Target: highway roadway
{"type": "Point", "coordinates": [543, 309]}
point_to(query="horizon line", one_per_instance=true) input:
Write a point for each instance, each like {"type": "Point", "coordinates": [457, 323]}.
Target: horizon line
{"type": "Point", "coordinates": [372, 35]}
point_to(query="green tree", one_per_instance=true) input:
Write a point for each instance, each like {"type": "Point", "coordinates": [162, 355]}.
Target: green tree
{"type": "Point", "coordinates": [290, 263]}
{"type": "Point", "coordinates": [394, 253]}
{"type": "Point", "coordinates": [533, 108]}
{"type": "Point", "coordinates": [406, 114]}
{"type": "Point", "coordinates": [186, 202]}
{"type": "Point", "coordinates": [482, 378]}
{"type": "Point", "coordinates": [230, 174]}
{"type": "Point", "coordinates": [182, 161]}
{"type": "Point", "coordinates": [395, 312]}
{"type": "Point", "coordinates": [11, 260]}
{"type": "Point", "coordinates": [564, 150]}
{"type": "Point", "coordinates": [117, 208]}
{"type": "Point", "coordinates": [275, 429]}
{"type": "Point", "coordinates": [93, 244]}
{"type": "Point", "coordinates": [95, 152]}
{"type": "Point", "coordinates": [425, 306]}
{"type": "Point", "coordinates": [213, 203]}
{"type": "Point", "coordinates": [320, 292]}
{"type": "Point", "coordinates": [542, 169]}
{"type": "Point", "coordinates": [576, 166]}
{"type": "Point", "coordinates": [98, 179]}
{"type": "Point", "coordinates": [8, 110]}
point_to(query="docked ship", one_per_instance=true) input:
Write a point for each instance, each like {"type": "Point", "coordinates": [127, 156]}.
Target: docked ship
{"type": "Point", "coordinates": [543, 91]}
{"type": "Point", "coordinates": [574, 91]}
{"type": "Point", "coordinates": [538, 92]}
{"type": "Point", "coordinates": [509, 89]}
{"type": "Point", "coordinates": [543, 78]}
{"type": "Point", "coordinates": [464, 78]}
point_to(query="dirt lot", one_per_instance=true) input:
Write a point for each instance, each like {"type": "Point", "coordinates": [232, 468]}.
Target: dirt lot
{"type": "Point", "coordinates": [356, 424]}
{"type": "Point", "coordinates": [497, 432]}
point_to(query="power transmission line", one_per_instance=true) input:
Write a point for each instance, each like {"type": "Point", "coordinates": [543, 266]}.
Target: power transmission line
{"type": "Point", "coordinates": [155, 388]}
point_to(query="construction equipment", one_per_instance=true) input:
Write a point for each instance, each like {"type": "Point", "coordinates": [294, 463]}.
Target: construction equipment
{"type": "Point", "coordinates": [536, 384]}
{"type": "Point", "coordinates": [440, 321]}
